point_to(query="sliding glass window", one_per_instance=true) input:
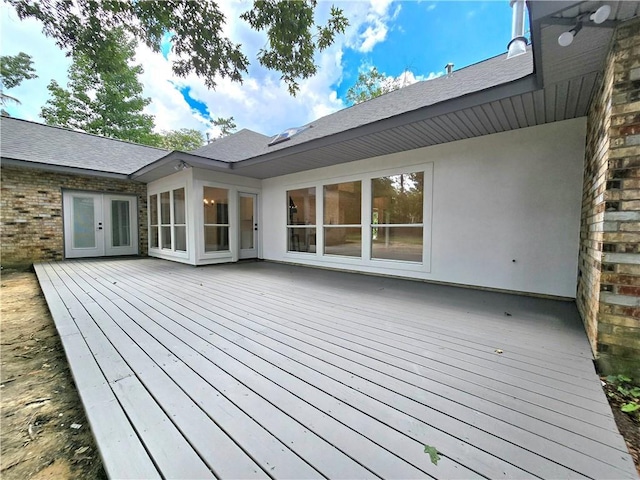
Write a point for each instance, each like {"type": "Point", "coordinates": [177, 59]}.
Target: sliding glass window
{"type": "Point", "coordinates": [397, 217]}
{"type": "Point", "coordinates": [342, 219]}
{"type": "Point", "coordinates": [301, 220]}
{"type": "Point", "coordinates": [216, 219]}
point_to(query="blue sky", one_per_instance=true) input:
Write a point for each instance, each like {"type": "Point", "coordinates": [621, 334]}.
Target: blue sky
{"type": "Point", "coordinates": [413, 40]}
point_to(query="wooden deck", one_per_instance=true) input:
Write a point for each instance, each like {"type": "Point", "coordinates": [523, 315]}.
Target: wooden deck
{"type": "Point", "coordinates": [271, 371]}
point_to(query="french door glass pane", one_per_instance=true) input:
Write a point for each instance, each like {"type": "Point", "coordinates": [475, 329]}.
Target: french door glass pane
{"type": "Point", "coordinates": [84, 223]}
{"type": "Point", "coordinates": [302, 239]}
{"type": "Point", "coordinates": [246, 222]}
{"type": "Point", "coordinates": [216, 238]}
{"type": "Point", "coordinates": [178, 207]}
{"type": "Point", "coordinates": [345, 241]}
{"type": "Point", "coordinates": [120, 234]}
{"type": "Point", "coordinates": [397, 243]}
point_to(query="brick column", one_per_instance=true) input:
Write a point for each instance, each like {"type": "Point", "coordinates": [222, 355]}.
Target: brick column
{"type": "Point", "coordinates": [609, 286]}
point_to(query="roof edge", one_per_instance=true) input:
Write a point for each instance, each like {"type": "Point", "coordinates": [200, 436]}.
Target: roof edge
{"type": "Point", "coordinates": [180, 155]}
{"type": "Point", "coordinates": [12, 162]}
{"type": "Point", "coordinates": [525, 84]}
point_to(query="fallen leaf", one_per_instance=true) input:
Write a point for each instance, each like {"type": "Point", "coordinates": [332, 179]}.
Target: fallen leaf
{"type": "Point", "coordinates": [433, 453]}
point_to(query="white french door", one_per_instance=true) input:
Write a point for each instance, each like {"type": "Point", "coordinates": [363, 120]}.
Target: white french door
{"type": "Point", "coordinates": [99, 224]}
{"type": "Point", "coordinates": [248, 225]}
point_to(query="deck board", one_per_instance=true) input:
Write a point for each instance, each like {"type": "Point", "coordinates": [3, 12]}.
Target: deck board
{"type": "Point", "coordinates": [518, 436]}
{"type": "Point", "coordinates": [265, 370]}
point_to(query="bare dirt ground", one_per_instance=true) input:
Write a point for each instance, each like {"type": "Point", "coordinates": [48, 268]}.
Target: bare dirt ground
{"type": "Point", "coordinates": [40, 408]}
{"type": "Point", "coordinates": [40, 402]}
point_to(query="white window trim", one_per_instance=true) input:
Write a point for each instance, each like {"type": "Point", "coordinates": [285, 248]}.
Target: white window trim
{"type": "Point", "coordinates": [168, 252]}
{"type": "Point", "coordinates": [319, 258]}
{"type": "Point", "coordinates": [232, 194]}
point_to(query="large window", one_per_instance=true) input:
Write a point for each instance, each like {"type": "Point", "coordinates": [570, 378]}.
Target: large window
{"type": "Point", "coordinates": [167, 220]}
{"type": "Point", "coordinates": [216, 219]}
{"type": "Point", "coordinates": [301, 220]}
{"type": "Point", "coordinates": [397, 217]}
{"type": "Point", "coordinates": [342, 219]}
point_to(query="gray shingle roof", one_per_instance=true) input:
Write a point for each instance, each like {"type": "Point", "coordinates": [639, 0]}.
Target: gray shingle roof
{"type": "Point", "coordinates": [474, 78]}
{"type": "Point", "coordinates": [34, 142]}
{"type": "Point", "coordinates": [234, 147]}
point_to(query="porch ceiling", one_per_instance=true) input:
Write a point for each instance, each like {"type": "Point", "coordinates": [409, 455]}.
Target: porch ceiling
{"type": "Point", "coordinates": [265, 370]}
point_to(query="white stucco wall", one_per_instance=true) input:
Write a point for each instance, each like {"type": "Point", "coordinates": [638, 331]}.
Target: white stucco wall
{"type": "Point", "coordinates": [495, 199]}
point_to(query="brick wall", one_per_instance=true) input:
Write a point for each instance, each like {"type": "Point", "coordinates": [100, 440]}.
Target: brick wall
{"type": "Point", "coordinates": [608, 294]}
{"type": "Point", "coordinates": [31, 212]}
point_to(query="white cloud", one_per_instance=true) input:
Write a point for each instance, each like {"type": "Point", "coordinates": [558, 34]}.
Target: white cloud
{"type": "Point", "coordinates": [48, 61]}
{"type": "Point", "coordinates": [262, 102]}
{"type": "Point", "coordinates": [369, 23]}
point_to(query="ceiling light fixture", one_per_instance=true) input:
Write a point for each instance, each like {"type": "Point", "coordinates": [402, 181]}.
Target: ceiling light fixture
{"type": "Point", "coordinates": [598, 17]}
{"type": "Point", "coordinates": [181, 166]}
{"type": "Point", "coordinates": [566, 39]}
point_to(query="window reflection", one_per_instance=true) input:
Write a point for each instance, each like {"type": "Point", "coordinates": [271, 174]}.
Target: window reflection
{"type": "Point", "coordinates": [397, 217]}
{"type": "Point", "coordinates": [301, 220]}
{"type": "Point", "coordinates": [342, 219]}
{"type": "Point", "coordinates": [216, 219]}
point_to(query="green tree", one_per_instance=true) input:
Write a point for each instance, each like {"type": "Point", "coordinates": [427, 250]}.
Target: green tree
{"type": "Point", "coordinates": [184, 139]}
{"type": "Point", "coordinates": [14, 69]}
{"type": "Point", "coordinates": [369, 85]}
{"type": "Point", "coordinates": [227, 125]}
{"type": "Point", "coordinates": [196, 29]}
{"type": "Point", "coordinates": [107, 103]}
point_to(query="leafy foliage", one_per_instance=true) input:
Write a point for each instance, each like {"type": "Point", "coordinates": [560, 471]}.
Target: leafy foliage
{"type": "Point", "coordinates": [196, 29]}
{"type": "Point", "coordinates": [226, 125]}
{"type": "Point", "coordinates": [14, 69]}
{"type": "Point", "coordinates": [370, 85]}
{"type": "Point", "coordinates": [291, 44]}
{"type": "Point", "coordinates": [627, 393]}
{"type": "Point", "coordinates": [184, 139]}
{"type": "Point", "coordinates": [108, 103]}
{"type": "Point", "coordinates": [433, 453]}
